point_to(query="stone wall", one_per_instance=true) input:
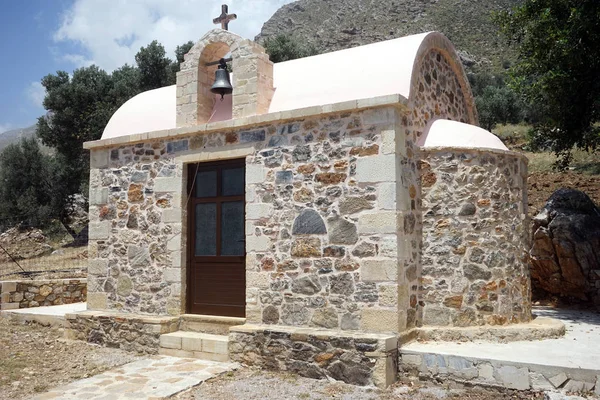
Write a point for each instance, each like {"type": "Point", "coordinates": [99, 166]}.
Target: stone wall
{"type": "Point", "coordinates": [28, 293]}
{"type": "Point", "coordinates": [131, 333]}
{"type": "Point", "coordinates": [324, 219]}
{"type": "Point", "coordinates": [436, 93]}
{"type": "Point", "coordinates": [318, 354]}
{"type": "Point", "coordinates": [475, 237]}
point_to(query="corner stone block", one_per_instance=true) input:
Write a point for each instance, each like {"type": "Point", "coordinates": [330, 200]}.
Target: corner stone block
{"type": "Point", "coordinates": [8, 287]}
{"type": "Point", "coordinates": [379, 270]}
{"type": "Point", "coordinates": [171, 216]}
{"type": "Point", "coordinates": [171, 184]}
{"type": "Point", "coordinates": [99, 230]}
{"type": "Point", "coordinates": [378, 320]}
{"type": "Point", "coordinates": [257, 243]}
{"type": "Point", "coordinates": [380, 168]}
{"type": "Point", "coordinates": [257, 280]}
{"type": "Point", "coordinates": [388, 141]}
{"type": "Point", "coordinates": [258, 211]}
{"type": "Point", "coordinates": [98, 196]}
{"type": "Point", "coordinates": [172, 275]}
{"type": "Point", "coordinates": [96, 301]}
{"type": "Point", "coordinates": [9, 306]}
{"type": "Point", "coordinates": [386, 199]}
{"type": "Point", "coordinates": [98, 266]}
{"type": "Point", "coordinates": [174, 242]}
{"type": "Point", "coordinates": [99, 158]}
{"type": "Point", "coordinates": [255, 173]}
{"type": "Point", "coordinates": [385, 371]}
{"type": "Point", "coordinates": [381, 222]}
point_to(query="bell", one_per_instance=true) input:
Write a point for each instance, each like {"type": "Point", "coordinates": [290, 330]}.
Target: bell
{"type": "Point", "coordinates": [222, 83]}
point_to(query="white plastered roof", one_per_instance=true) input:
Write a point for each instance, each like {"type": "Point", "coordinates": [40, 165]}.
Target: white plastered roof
{"type": "Point", "coordinates": [362, 72]}
{"type": "Point", "coordinates": [445, 133]}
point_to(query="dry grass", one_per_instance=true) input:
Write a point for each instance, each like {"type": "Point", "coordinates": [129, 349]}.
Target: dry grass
{"type": "Point", "coordinates": [71, 260]}
{"type": "Point", "coordinates": [515, 138]}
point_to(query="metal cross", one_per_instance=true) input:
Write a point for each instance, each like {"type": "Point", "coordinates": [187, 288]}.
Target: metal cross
{"type": "Point", "coordinates": [224, 18]}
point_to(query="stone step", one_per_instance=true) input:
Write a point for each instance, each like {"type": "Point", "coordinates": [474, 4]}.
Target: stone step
{"type": "Point", "coordinates": [215, 325]}
{"type": "Point", "coordinates": [204, 346]}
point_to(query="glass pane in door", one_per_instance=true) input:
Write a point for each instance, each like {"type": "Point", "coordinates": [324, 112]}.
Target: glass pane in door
{"type": "Point", "coordinates": [233, 181]}
{"type": "Point", "coordinates": [206, 229]}
{"type": "Point", "coordinates": [206, 184]}
{"type": "Point", "coordinates": [232, 229]}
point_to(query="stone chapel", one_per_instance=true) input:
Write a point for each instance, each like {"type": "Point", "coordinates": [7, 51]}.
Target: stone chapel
{"type": "Point", "coordinates": [327, 211]}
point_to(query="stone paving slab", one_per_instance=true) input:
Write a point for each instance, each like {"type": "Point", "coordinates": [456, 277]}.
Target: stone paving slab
{"type": "Point", "coordinates": [570, 362]}
{"type": "Point", "coordinates": [151, 378]}
{"type": "Point", "coordinates": [45, 315]}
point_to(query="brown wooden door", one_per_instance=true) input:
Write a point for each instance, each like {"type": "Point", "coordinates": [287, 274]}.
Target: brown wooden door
{"type": "Point", "coordinates": [216, 237]}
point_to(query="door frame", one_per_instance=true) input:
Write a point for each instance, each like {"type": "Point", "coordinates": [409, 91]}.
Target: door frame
{"type": "Point", "coordinates": [192, 169]}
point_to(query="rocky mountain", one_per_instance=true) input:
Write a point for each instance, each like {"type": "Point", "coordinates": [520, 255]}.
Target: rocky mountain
{"type": "Point", "coordinates": [15, 135]}
{"type": "Point", "coordinates": [331, 25]}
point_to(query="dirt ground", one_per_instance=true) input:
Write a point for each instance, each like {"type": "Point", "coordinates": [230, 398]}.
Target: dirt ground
{"type": "Point", "coordinates": [254, 384]}
{"type": "Point", "coordinates": [34, 358]}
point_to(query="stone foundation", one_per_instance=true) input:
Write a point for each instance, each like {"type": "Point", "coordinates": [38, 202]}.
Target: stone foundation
{"type": "Point", "coordinates": [356, 358]}
{"type": "Point", "coordinates": [136, 333]}
{"type": "Point", "coordinates": [28, 293]}
{"type": "Point", "coordinates": [497, 373]}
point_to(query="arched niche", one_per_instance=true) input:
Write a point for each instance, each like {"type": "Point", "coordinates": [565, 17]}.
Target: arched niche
{"type": "Point", "coordinates": [252, 78]}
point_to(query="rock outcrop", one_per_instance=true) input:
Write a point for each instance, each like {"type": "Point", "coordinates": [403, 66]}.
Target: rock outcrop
{"type": "Point", "coordinates": [565, 253]}
{"type": "Point", "coordinates": [23, 244]}
{"type": "Point", "coordinates": [339, 24]}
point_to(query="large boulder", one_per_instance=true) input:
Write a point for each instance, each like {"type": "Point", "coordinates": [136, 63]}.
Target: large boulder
{"type": "Point", "coordinates": [565, 253]}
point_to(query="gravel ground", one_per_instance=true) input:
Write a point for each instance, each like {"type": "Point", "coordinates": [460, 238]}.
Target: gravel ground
{"type": "Point", "coordinates": [34, 358]}
{"type": "Point", "coordinates": [254, 384]}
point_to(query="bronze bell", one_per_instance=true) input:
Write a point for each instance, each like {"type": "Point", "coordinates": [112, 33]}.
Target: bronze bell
{"type": "Point", "coordinates": [222, 83]}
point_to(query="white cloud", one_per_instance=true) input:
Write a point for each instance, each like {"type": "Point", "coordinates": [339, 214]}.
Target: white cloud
{"type": "Point", "coordinates": [111, 33]}
{"type": "Point", "coordinates": [36, 93]}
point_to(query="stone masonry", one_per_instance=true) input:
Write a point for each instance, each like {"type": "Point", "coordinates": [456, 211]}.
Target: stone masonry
{"type": "Point", "coordinates": [354, 234]}
{"type": "Point", "coordinates": [474, 267]}
{"type": "Point", "coordinates": [28, 293]}
{"type": "Point", "coordinates": [321, 223]}
{"type": "Point", "coordinates": [252, 82]}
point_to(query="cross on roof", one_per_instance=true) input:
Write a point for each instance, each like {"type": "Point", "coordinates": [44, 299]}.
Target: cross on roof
{"type": "Point", "coordinates": [224, 18]}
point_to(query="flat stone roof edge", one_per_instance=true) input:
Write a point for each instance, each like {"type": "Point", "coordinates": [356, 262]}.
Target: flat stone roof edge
{"type": "Point", "coordinates": [254, 120]}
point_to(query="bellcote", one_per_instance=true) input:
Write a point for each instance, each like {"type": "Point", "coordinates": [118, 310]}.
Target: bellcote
{"type": "Point", "coordinates": [252, 79]}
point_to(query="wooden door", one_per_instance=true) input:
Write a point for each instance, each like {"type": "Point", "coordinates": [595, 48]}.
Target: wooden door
{"type": "Point", "coordinates": [216, 237]}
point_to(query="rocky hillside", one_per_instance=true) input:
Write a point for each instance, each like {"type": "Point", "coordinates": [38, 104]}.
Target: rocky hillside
{"type": "Point", "coordinates": [15, 136]}
{"type": "Point", "coordinates": [338, 24]}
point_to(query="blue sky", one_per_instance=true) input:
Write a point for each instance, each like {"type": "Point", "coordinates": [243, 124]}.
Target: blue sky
{"type": "Point", "coordinates": [38, 37]}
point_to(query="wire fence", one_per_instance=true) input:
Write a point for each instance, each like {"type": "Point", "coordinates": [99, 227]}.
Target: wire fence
{"type": "Point", "coordinates": [28, 251]}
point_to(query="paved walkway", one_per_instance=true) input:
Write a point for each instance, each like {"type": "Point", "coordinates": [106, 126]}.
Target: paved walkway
{"type": "Point", "coordinates": [151, 378]}
{"type": "Point", "coordinates": [51, 310]}
{"type": "Point", "coordinates": [47, 315]}
{"type": "Point", "coordinates": [577, 349]}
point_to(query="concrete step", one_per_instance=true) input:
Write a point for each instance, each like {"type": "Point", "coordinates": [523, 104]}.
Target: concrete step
{"type": "Point", "coordinates": [209, 323]}
{"type": "Point", "coordinates": [204, 346]}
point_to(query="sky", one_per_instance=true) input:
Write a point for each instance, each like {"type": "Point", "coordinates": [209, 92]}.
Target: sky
{"type": "Point", "coordinates": [40, 37]}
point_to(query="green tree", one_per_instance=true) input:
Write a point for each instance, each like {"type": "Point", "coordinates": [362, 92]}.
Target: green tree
{"type": "Point", "coordinates": [557, 69]}
{"type": "Point", "coordinates": [25, 184]}
{"type": "Point", "coordinates": [80, 106]}
{"type": "Point", "coordinates": [180, 52]}
{"type": "Point", "coordinates": [284, 48]}
{"type": "Point", "coordinates": [498, 105]}
{"type": "Point", "coordinates": [154, 66]}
